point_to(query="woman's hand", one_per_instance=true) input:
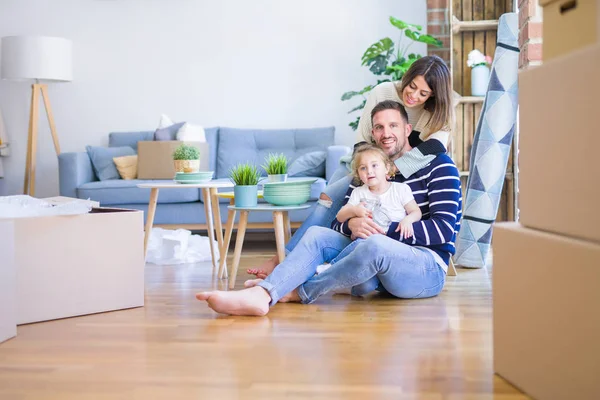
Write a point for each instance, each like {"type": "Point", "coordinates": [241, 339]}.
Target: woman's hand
{"type": "Point", "coordinates": [406, 229]}
{"type": "Point", "coordinates": [364, 227]}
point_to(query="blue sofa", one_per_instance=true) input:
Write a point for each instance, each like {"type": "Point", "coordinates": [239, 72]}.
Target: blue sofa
{"type": "Point", "coordinates": [227, 147]}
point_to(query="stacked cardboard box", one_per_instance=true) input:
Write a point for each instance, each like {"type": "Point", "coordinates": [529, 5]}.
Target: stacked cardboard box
{"type": "Point", "coordinates": [546, 274]}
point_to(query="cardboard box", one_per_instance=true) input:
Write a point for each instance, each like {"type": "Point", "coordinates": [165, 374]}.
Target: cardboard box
{"type": "Point", "coordinates": [155, 158]}
{"type": "Point", "coordinates": [58, 200]}
{"type": "Point", "coordinates": [78, 264]}
{"type": "Point", "coordinates": [558, 145]}
{"type": "Point", "coordinates": [546, 300]}
{"type": "Point", "coordinates": [8, 280]}
{"type": "Point", "coordinates": [569, 25]}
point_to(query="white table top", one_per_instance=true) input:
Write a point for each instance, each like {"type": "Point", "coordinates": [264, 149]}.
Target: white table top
{"type": "Point", "coordinates": [269, 207]}
{"type": "Point", "coordinates": [175, 185]}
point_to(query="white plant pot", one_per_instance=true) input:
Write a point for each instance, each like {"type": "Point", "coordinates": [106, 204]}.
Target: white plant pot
{"type": "Point", "coordinates": [277, 178]}
{"type": "Point", "coordinates": [480, 78]}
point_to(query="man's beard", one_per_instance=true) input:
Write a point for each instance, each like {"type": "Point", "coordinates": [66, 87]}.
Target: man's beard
{"type": "Point", "coordinates": [396, 151]}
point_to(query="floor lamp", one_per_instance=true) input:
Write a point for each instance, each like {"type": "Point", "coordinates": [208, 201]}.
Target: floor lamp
{"type": "Point", "coordinates": [41, 59]}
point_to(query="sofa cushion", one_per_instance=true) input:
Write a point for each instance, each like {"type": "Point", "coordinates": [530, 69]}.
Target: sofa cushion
{"type": "Point", "coordinates": [253, 145]}
{"type": "Point", "coordinates": [114, 192]}
{"type": "Point", "coordinates": [309, 164]}
{"type": "Point", "coordinates": [168, 133]}
{"type": "Point", "coordinates": [102, 160]}
{"type": "Point", "coordinates": [131, 139]}
{"type": "Point", "coordinates": [315, 189]}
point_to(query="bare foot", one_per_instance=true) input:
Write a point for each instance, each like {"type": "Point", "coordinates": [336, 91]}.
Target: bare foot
{"type": "Point", "coordinates": [291, 297]}
{"type": "Point", "coordinates": [252, 282]}
{"type": "Point", "coordinates": [264, 270]}
{"type": "Point", "coordinates": [254, 301]}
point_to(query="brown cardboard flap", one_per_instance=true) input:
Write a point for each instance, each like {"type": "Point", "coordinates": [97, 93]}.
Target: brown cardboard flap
{"type": "Point", "coordinates": [155, 158]}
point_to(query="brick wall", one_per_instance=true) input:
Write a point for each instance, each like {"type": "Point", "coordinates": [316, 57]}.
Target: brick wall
{"type": "Point", "coordinates": [438, 25]}
{"type": "Point", "coordinates": [530, 33]}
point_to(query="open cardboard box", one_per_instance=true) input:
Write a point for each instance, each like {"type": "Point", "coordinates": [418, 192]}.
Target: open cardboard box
{"type": "Point", "coordinates": [72, 265]}
{"type": "Point", "coordinates": [8, 300]}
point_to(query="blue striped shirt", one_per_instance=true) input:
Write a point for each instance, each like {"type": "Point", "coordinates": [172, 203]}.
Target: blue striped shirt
{"type": "Point", "coordinates": [437, 191]}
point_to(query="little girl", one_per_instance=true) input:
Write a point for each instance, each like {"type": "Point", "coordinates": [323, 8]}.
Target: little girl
{"type": "Point", "coordinates": [377, 198]}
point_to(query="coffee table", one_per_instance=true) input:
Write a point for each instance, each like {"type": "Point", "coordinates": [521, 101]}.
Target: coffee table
{"type": "Point", "coordinates": [281, 223]}
{"type": "Point", "coordinates": [209, 192]}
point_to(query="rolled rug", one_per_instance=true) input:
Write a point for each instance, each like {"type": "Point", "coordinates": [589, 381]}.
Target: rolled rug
{"type": "Point", "coordinates": [491, 147]}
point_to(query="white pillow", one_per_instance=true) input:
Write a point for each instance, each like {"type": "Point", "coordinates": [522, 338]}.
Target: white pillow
{"type": "Point", "coordinates": [191, 133]}
{"type": "Point", "coordinates": [164, 122]}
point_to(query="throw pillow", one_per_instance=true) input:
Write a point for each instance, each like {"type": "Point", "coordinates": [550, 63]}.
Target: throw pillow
{"type": "Point", "coordinates": [191, 133]}
{"type": "Point", "coordinates": [168, 133]}
{"type": "Point", "coordinates": [309, 164]}
{"type": "Point", "coordinates": [164, 121]}
{"type": "Point", "coordinates": [102, 160]}
{"type": "Point", "coordinates": [127, 166]}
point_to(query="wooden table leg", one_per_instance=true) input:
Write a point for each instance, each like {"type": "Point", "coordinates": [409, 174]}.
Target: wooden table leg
{"type": "Point", "coordinates": [209, 223]}
{"type": "Point", "coordinates": [451, 268]}
{"type": "Point", "coordinates": [150, 217]}
{"type": "Point", "coordinates": [226, 241]}
{"type": "Point", "coordinates": [217, 218]}
{"type": "Point", "coordinates": [287, 228]}
{"type": "Point", "coordinates": [239, 242]}
{"type": "Point", "coordinates": [279, 234]}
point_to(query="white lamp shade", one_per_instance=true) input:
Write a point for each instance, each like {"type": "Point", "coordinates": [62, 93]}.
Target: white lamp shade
{"type": "Point", "coordinates": [36, 57]}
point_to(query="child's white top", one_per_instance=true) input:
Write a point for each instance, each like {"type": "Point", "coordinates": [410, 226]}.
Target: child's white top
{"type": "Point", "coordinates": [392, 201]}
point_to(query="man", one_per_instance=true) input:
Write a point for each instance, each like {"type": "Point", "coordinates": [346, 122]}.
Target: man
{"type": "Point", "coordinates": [405, 268]}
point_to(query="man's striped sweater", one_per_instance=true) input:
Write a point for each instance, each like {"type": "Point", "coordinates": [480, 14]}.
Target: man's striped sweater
{"type": "Point", "coordinates": [437, 191]}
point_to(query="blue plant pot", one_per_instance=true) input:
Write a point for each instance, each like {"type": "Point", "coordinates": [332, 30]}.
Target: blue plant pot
{"type": "Point", "coordinates": [245, 196]}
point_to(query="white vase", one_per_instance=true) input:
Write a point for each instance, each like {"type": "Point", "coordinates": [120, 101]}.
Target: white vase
{"type": "Point", "coordinates": [480, 78]}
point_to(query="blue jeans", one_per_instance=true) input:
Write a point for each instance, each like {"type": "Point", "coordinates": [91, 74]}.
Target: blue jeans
{"type": "Point", "coordinates": [323, 215]}
{"type": "Point", "coordinates": [402, 270]}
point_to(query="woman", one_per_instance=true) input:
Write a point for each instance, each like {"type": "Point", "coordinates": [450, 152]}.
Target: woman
{"type": "Point", "coordinates": [425, 91]}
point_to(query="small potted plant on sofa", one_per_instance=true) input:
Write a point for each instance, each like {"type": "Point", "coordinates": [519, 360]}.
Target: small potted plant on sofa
{"type": "Point", "coordinates": [186, 159]}
{"type": "Point", "coordinates": [245, 178]}
{"type": "Point", "coordinates": [276, 167]}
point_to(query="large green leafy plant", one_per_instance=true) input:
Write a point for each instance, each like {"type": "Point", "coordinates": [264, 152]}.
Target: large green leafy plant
{"type": "Point", "coordinates": [389, 61]}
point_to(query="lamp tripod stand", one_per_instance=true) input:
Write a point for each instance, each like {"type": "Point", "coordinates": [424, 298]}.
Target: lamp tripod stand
{"type": "Point", "coordinates": [36, 88]}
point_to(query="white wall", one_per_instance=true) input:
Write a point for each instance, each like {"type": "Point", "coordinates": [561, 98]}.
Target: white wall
{"type": "Point", "coordinates": [239, 63]}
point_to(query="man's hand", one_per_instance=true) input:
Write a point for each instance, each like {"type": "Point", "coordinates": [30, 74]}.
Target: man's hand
{"type": "Point", "coordinates": [364, 227]}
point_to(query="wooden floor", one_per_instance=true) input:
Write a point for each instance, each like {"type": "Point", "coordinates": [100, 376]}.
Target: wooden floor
{"type": "Point", "coordinates": [338, 348]}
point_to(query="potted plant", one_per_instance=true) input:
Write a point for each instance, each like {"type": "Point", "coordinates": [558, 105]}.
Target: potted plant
{"type": "Point", "coordinates": [276, 167]}
{"type": "Point", "coordinates": [186, 159]}
{"type": "Point", "coordinates": [245, 178]}
{"type": "Point", "coordinates": [480, 72]}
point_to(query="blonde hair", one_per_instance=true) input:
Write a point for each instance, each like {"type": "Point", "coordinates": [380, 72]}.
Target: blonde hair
{"type": "Point", "coordinates": [440, 104]}
{"type": "Point", "coordinates": [360, 150]}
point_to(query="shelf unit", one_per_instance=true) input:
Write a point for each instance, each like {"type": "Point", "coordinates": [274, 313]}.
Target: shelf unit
{"type": "Point", "coordinates": [468, 34]}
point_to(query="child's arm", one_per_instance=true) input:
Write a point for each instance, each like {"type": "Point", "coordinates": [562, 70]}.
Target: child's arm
{"type": "Point", "coordinates": [351, 211]}
{"type": "Point", "coordinates": [413, 214]}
